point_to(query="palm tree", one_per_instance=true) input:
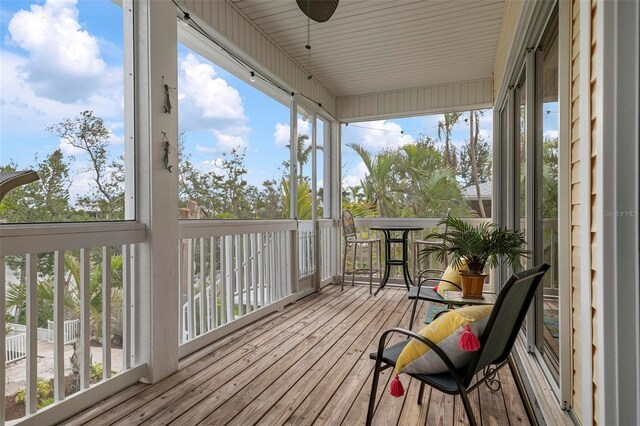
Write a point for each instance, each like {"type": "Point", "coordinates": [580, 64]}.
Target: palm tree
{"type": "Point", "coordinates": [377, 185]}
{"type": "Point", "coordinates": [17, 294]}
{"type": "Point", "coordinates": [445, 128]}
{"type": "Point", "coordinates": [304, 201]}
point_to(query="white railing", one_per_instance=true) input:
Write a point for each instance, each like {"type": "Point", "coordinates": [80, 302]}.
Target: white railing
{"type": "Point", "coordinates": [81, 256]}
{"type": "Point", "coordinates": [242, 265]}
{"type": "Point", "coordinates": [71, 331]}
{"type": "Point", "coordinates": [15, 347]}
{"type": "Point", "coordinates": [329, 245]}
{"type": "Point", "coordinates": [306, 248]}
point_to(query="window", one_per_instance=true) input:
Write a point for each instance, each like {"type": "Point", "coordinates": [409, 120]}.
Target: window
{"type": "Point", "coordinates": [233, 144]}
{"type": "Point", "coordinates": [419, 167]}
{"type": "Point", "coordinates": [63, 100]}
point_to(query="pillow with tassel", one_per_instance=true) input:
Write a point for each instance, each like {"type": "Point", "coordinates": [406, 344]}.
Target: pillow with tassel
{"type": "Point", "coordinates": [457, 333]}
{"type": "Point", "coordinates": [450, 274]}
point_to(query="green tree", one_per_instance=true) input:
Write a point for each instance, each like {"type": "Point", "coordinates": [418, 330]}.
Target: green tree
{"type": "Point", "coordinates": [89, 134]}
{"type": "Point", "coordinates": [445, 128]}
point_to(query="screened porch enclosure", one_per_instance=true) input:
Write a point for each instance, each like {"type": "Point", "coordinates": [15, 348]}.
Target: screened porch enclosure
{"type": "Point", "coordinates": [145, 314]}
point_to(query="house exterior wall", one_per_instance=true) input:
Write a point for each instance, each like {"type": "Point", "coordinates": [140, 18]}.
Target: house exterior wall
{"type": "Point", "coordinates": [585, 210]}
{"type": "Point", "coordinates": [235, 27]}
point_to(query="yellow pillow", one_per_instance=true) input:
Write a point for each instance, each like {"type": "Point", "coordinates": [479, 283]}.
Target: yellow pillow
{"type": "Point", "coordinates": [451, 333]}
{"type": "Point", "coordinates": [451, 274]}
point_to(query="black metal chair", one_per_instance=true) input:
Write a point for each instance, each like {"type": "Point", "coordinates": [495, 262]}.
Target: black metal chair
{"type": "Point", "coordinates": [428, 293]}
{"type": "Point", "coordinates": [496, 343]}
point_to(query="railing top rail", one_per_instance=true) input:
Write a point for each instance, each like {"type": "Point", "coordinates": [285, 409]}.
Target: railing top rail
{"type": "Point", "coordinates": [190, 228]}
{"type": "Point", "coordinates": [409, 221]}
{"type": "Point", "coordinates": [43, 238]}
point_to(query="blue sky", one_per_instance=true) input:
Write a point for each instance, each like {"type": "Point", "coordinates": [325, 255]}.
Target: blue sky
{"type": "Point", "coordinates": [60, 57]}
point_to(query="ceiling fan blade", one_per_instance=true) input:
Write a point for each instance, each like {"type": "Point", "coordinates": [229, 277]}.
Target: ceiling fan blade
{"type": "Point", "coordinates": [318, 10]}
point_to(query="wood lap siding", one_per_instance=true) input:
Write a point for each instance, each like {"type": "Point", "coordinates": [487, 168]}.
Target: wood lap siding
{"type": "Point", "coordinates": [581, 254]}
{"type": "Point", "coordinates": [228, 21]}
{"type": "Point", "coordinates": [575, 209]}
{"type": "Point", "coordinates": [595, 209]}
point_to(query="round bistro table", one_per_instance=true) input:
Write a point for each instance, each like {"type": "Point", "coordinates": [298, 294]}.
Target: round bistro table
{"type": "Point", "coordinates": [404, 260]}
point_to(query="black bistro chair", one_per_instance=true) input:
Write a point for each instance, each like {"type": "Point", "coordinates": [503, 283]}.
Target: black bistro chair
{"type": "Point", "coordinates": [496, 343]}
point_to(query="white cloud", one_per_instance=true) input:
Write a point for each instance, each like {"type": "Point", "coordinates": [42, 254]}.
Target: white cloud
{"type": "Point", "coordinates": [381, 134]}
{"type": "Point", "coordinates": [358, 175]}
{"type": "Point", "coordinates": [282, 132]}
{"type": "Point", "coordinates": [205, 149]}
{"type": "Point", "coordinates": [211, 95]}
{"type": "Point", "coordinates": [551, 134]}
{"type": "Point", "coordinates": [214, 166]}
{"type": "Point", "coordinates": [68, 149]}
{"type": "Point", "coordinates": [64, 61]}
{"type": "Point", "coordinates": [229, 142]}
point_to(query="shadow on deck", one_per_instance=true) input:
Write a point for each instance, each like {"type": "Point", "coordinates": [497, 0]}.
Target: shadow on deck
{"type": "Point", "coordinates": [306, 365]}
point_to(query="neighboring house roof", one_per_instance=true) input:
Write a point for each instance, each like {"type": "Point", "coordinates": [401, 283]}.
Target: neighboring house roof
{"type": "Point", "coordinates": [486, 191]}
{"type": "Point", "coordinates": [11, 180]}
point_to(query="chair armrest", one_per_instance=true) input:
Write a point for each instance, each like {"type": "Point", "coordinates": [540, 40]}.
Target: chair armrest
{"type": "Point", "coordinates": [433, 346]}
{"type": "Point", "coordinates": [439, 271]}
{"type": "Point", "coordinates": [423, 280]}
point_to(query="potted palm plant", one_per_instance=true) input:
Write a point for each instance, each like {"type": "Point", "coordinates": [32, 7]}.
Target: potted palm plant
{"type": "Point", "coordinates": [476, 246]}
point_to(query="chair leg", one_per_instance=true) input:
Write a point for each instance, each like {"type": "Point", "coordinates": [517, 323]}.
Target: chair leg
{"type": "Point", "coordinates": [421, 393]}
{"type": "Point", "coordinates": [523, 394]}
{"type": "Point", "coordinates": [413, 312]}
{"type": "Point", "coordinates": [467, 408]}
{"type": "Point", "coordinates": [372, 395]}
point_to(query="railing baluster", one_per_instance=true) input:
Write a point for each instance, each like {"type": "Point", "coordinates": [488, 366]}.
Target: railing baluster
{"type": "Point", "coordinates": [247, 271]}
{"type": "Point", "coordinates": [32, 333]}
{"type": "Point", "coordinates": [85, 320]}
{"type": "Point", "coordinates": [59, 325]}
{"type": "Point", "coordinates": [181, 283]}
{"type": "Point", "coordinates": [106, 312]}
{"type": "Point", "coordinates": [239, 274]}
{"type": "Point", "coordinates": [3, 342]}
{"type": "Point", "coordinates": [270, 267]}
{"type": "Point", "coordinates": [214, 283]}
{"type": "Point", "coordinates": [254, 270]}
{"type": "Point", "coordinates": [126, 311]}
{"type": "Point", "coordinates": [191, 315]}
{"type": "Point", "coordinates": [223, 281]}
{"type": "Point", "coordinates": [203, 288]}
{"type": "Point", "coordinates": [261, 268]}
{"type": "Point", "coordinates": [230, 284]}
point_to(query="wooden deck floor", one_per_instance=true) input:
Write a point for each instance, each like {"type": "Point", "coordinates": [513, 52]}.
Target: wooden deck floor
{"type": "Point", "coordinates": [306, 365]}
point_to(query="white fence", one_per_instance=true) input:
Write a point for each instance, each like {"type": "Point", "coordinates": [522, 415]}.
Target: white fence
{"type": "Point", "coordinates": [71, 331]}
{"type": "Point", "coordinates": [306, 248]}
{"type": "Point", "coordinates": [242, 265]}
{"type": "Point", "coordinates": [16, 347]}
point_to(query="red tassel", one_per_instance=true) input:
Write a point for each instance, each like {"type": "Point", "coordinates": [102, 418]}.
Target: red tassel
{"type": "Point", "coordinates": [396, 389]}
{"type": "Point", "coordinates": [435, 289]}
{"type": "Point", "coordinates": [468, 340]}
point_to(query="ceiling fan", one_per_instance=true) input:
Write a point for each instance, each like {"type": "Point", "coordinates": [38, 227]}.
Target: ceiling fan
{"type": "Point", "coordinates": [318, 10]}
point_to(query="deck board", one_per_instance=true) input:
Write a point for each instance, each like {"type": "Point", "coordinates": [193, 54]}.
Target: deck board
{"type": "Point", "coordinates": [305, 365]}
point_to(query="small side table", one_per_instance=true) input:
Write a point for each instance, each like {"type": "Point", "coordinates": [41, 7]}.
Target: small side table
{"type": "Point", "coordinates": [404, 260]}
{"type": "Point", "coordinates": [454, 297]}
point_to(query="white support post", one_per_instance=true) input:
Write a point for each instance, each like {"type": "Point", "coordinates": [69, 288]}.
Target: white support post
{"type": "Point", "coordinates": [32, 332]}
{"type": "Point", "coordinates": [59, 332]}
{"type": "Point", "coordinates": [85, 318]}
{"type": "Point", "coordinates": [156, 318]}
{"type": "Point", "coordinates": [106, 312]}
{"type": "Point", "coordinates": [203, 288]}
{"type": "Point", "coordinates": [3, 341]}
{"type": "Point", "coordinates": [126, 306]}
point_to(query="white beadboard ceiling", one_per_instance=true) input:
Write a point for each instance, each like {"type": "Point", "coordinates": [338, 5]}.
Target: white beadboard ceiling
{"type": "Point", "coordinates": [379, 45]}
